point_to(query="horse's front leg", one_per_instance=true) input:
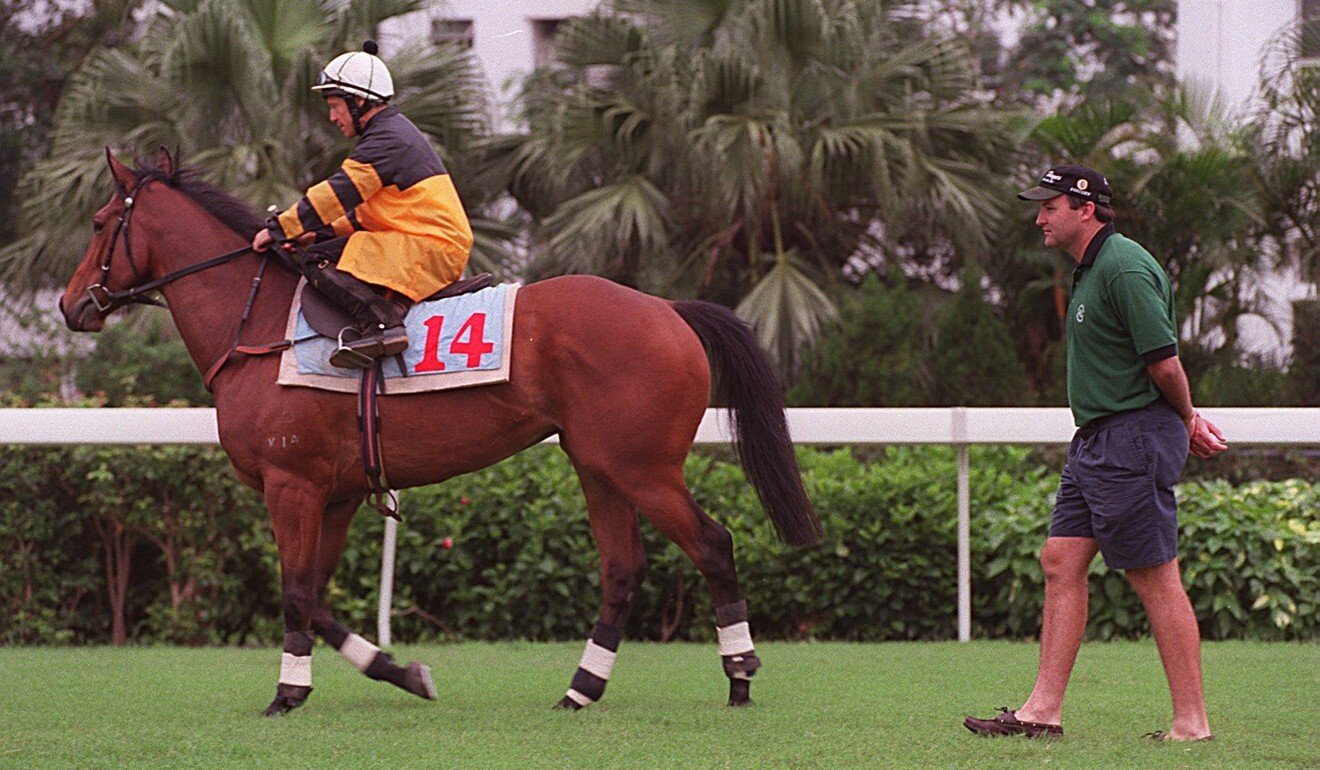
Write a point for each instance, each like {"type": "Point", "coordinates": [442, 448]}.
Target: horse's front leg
{"type": "Point", "coordinates": [365, 656]}
{"type": "Point", "coordinates": [296, 509]}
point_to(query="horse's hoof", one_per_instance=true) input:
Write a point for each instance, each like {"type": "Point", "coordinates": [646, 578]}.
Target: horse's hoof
{"type": "Point", "coordinates": [740, 692]}
{"type": "Point", "coordinates": [417, 680]}
{"type": "Point", "coordinates": [568, 704]}
{"type": "Point", "coordinates": [287, 698]}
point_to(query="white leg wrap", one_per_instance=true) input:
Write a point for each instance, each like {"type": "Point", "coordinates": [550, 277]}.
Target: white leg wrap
{"type": "Point", "coordinates": [578, 697]}
{"type": "Point", "coordinates": [597, 660]}
{"type": "Point", "coordinates": [735, 639]}
{"type": "Point", "coordinates": [296, 670]}
{"type": "Point", "coordinates": [358, 651]}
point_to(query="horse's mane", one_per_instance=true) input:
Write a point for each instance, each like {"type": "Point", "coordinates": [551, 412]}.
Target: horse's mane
{"type": "Point", "coordinates": [234, 213]}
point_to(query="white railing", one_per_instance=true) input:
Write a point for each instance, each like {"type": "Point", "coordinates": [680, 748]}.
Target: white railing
{"type": "Point", "coordinates": [959, 427]}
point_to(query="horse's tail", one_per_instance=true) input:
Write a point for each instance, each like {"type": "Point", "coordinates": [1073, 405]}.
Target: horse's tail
{"type": "Point", "coordinates": [744, 379]}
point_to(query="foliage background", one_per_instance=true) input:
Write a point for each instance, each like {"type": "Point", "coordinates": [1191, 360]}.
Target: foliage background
{"type": "Point", "coordinates": [162, 545]}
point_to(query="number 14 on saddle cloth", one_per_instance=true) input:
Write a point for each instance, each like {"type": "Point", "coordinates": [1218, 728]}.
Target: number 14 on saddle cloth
{"type": "Point", "coordinates": [453, 342]}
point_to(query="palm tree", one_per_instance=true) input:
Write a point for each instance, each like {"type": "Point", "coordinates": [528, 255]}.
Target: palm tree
{"type": "Point", "coordinates": [760, 153]}
{"type": "Point", "coordinates": [228, 83]}
{"type": "Point", "coordinates": [1286, 140]}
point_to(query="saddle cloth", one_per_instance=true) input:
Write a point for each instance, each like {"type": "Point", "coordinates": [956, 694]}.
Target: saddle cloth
{"type": "Point", "coordinates": [455, 342]}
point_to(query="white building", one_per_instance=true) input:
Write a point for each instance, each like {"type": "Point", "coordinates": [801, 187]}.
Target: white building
{"type": "Point", "coordinates": [1219, 45]}
{"type": "Point", "coordinates": [1219, 42]}
{"type": "Point", "coordinates": [509, 37]}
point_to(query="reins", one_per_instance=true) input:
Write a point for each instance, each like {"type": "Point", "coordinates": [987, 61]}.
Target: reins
{"type": "Point", "coordinates": [106, 300]}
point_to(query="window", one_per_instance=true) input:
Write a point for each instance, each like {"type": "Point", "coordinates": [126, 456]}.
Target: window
{"type": "Point", "coordinates": [453, 31]}
{"type": "Point", "coordinates": [543, 38]}
{"type": "Point", "coordinates": [1308, 46]}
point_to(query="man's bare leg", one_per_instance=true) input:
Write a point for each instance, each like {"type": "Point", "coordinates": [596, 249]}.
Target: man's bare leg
{"type": "Point", "coordinates": [1179, 640]}
{"type": "Point", "coordinates": [1066, 561]}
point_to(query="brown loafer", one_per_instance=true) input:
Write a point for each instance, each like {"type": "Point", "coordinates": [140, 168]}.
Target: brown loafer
{"type": "Point", "coordinates": [1007, 723]}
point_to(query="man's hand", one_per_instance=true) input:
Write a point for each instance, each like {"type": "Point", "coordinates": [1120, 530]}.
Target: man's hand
{"type": "Point", "coordinates": [1203, 438]}
{"type": "Point", "coordinates": [262, 240]}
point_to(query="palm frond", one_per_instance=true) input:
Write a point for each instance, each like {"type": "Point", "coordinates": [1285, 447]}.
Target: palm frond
{"type": "Point", "coordinates": [786, 310]}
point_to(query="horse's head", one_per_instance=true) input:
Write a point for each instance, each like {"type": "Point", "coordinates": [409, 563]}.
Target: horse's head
{"type": "Point", "coordinates": [118, 258]}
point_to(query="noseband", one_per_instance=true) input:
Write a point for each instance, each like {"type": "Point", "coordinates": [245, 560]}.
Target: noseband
{"type": "Point", "coordinates": [106, 300]}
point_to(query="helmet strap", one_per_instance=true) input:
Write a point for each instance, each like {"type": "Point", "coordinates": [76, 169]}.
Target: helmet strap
{"type": "Point", "coordinates": [355, 106]}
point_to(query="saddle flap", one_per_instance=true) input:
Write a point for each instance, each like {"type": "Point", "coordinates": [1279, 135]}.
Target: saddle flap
{"type": "Point", "coordinates": [464, 286]}
{"type": "Point", "coordinates": [325, 317]}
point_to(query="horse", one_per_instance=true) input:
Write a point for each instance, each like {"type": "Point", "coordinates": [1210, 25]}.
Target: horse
{"type": "Point", "coordinates": [623, 378]}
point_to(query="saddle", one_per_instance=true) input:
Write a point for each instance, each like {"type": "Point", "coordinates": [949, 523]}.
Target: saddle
{"type": "Point", "coordinates": [328, 319]}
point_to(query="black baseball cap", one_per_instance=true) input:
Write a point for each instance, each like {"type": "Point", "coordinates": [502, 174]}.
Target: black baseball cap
{"type": "Point", "coordinates": [1077, 181]}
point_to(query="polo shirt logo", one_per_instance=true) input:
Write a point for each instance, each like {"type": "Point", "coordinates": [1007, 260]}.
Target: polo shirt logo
{"type": "Point", "coordinates": [1081, 311]}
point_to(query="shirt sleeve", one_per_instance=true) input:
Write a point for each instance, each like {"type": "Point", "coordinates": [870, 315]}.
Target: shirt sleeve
{"type": "Point", "coordinates": [329, 204]}
{"type": "Point", "coordinates": [1145, 306]}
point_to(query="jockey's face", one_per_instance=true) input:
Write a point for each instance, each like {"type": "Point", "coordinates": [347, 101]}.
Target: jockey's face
{"type": "Point", "coordinates": [340, 116]}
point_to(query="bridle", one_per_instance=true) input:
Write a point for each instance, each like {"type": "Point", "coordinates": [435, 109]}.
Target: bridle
{"type": "Point", "coordinates": [106, 300]}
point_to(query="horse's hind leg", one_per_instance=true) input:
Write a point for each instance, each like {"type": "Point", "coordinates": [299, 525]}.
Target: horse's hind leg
{"type": "Point", "coordinates": [663, 496]}
{"type": "Point", "coordinates": [622, 567]}
{"type": "Point", "coordinates": [365, 656]}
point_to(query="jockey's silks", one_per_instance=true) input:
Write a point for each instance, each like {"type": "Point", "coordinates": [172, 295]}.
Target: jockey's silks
{"type": "Point", "coordinates": [394, 199]}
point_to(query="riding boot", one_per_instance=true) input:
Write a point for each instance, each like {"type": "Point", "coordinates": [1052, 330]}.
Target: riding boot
{"type": "Point", "coordinates": [379, 331]}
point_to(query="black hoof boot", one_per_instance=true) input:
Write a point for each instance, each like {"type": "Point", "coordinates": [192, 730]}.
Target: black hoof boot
{"type": "Point", "coordinates": [287, 698]}
{"type": "Point", "coordinates": [740, 669]}
{"type": "Point", "coordinates": [740, 692]}
{"type": "Point", "coordinates": [417, 680]}
{"type": "Point", "coordinates": [568, 704]}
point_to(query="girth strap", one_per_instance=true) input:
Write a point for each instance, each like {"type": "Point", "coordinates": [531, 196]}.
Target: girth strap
{"type": "Point", "coordinates": [381, 497]}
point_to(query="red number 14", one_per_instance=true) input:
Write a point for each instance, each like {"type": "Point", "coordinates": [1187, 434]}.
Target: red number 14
{"type": "Point", "coordinates": [470, 341]}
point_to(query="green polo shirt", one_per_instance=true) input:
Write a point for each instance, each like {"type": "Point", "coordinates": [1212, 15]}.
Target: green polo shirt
{"type": "Point", "coordinates": [1120, 319]}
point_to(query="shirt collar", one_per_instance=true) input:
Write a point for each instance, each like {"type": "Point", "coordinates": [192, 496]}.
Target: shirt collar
{"type": "Point", "coordinates": [389, 110]}
{"type": "Point", "coordinates": [1097, 242]}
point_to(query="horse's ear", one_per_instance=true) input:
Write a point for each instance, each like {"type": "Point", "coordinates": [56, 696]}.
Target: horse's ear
{"type": "Point", "coordinates": [164, 163]}
{"type": "Point", "coordinates": [123, 175]}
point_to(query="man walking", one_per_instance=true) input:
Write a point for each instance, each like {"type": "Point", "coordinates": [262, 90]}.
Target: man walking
{"type": "Point", "coordinates": [1136, 423]}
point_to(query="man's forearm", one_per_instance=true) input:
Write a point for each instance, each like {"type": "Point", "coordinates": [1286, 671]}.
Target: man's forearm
{"type": "Point", "coordinates": [1169, 377]}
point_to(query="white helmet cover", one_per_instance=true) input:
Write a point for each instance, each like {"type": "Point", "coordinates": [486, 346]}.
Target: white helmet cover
{"type": "Point", "coordinates": [356, 73]}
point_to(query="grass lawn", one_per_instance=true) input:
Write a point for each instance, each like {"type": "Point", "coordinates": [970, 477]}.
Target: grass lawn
{"type": "Point", "coordinates": [816, 705]}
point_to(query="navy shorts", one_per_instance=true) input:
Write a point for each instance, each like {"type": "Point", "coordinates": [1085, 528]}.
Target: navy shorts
{"type": "Point", "coordinates": [1117, 487]}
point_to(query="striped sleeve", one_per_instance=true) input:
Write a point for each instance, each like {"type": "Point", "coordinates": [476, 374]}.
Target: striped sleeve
{"type": "Point", "coordinates": [330, 203]}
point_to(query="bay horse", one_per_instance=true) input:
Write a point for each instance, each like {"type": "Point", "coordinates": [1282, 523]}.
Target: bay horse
{"type": "Point", "coordinates": [622, 377]}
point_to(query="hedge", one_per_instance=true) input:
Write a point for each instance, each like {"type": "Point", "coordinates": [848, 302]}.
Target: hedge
{"type": "Point", "coordinates": [166, 541]}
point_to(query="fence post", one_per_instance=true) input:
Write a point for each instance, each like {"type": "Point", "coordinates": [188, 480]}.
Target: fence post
{"type": "Point", "coordinates": [959, 426]}
{"type": "Point", "coordinates": [387, 549]}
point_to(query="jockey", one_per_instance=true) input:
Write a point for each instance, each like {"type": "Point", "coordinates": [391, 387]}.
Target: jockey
{"type": "Point", "coordinates": [388, 226]}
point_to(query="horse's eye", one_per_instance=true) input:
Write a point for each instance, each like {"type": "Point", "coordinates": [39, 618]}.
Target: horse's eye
{"type": "Point", "coordinates": [98, 226]}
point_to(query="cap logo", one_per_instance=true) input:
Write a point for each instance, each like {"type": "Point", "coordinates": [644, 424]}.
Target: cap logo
{"type": "Point", "coordinates": [1051, 177]}
{"type": "Point", "coordinates": [1082, 184]}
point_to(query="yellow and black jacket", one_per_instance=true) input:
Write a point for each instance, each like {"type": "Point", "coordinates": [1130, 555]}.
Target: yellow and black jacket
{"type": "Point", "coordinates": [393, 198]}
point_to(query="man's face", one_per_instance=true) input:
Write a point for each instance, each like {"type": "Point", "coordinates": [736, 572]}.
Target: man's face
{"type": "Point", "coordinates": [1061, 223]}
{"type": "Point", "coordinates": [340, 116]}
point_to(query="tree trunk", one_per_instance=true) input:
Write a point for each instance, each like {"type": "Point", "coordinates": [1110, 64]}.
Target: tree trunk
{"type": "Point", "coordinates": [1304, 369]}
{"type": "Point", "coordinates": [117, 544]}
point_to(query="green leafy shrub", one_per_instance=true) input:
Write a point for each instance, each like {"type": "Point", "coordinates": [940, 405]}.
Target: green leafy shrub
{"type": "Point", "coordinates": [974, 361]}
{"type": "Point", "coordinates": [141, 360]}
{"type": "Point", "coordinates": [874, 356]}
{"type": "Point", "coordinates": [506, 552]}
